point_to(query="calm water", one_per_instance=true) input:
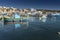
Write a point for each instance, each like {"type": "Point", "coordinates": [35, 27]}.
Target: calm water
{"type": "Point", "coordinates": [33, 29]}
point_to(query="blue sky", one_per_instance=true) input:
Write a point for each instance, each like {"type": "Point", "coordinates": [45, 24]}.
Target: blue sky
{"type": "Point", "coordinates": [42, 4]}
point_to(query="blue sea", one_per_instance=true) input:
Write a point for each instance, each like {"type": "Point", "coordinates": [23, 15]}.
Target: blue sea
{"type": "Point", "coordinates": [35, 28]}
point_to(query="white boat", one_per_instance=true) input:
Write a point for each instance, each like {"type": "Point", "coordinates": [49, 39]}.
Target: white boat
{"type": "Point", "coordinates": [57, 14]}
{"type": "Point", "coordinates": [44, 16]}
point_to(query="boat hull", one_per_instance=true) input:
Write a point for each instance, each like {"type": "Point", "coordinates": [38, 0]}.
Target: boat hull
{"type": "Point", "coordinates": [15, 20]}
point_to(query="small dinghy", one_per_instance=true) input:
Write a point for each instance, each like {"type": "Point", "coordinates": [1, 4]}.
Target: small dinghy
{"type": "Point", "coordinates": [58, 33]}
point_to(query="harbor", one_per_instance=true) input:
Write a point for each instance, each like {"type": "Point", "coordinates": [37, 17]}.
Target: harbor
{"type": "Point", "coordinates": [11, 14]}
{"type": "Point", "coordinates": [29, 24]}
{"type": "Point", "coordinates": [29, 19]}
{"type": "Point", "coordinates": [35, 28]}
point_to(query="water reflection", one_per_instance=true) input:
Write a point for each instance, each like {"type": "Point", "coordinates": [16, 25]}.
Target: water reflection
{"type": "Point", "coordinates": [52, 19]}
{"type": "Point", "coordinates": [43, 19]}
{"type": "Point", "coordinates": [31, 19]}
{"type": "Point", "coordinates": [38, 29]}
{"type": "Point", "coordinates": [17, 25]}
{"type": "Point", "coordinates": [9, 26]}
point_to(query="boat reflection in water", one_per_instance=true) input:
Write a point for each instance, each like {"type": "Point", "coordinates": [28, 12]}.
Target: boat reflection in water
{"type": "Point", "coordinates": [46, 19]}
{"type": "Point", "coordinates": [9, 26]}
{"type": "Point", "coordinates": [31, 20]}
{"type": "Point", "coordinates": [36, 28]}
{"type": "Point", "coordinates": [17, 25]}
{"type": "Point", "coordinates": [43, 19]}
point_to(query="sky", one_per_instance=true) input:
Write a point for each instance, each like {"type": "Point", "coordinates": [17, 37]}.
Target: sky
{"type": "Point", "coordinates": [41, 4]}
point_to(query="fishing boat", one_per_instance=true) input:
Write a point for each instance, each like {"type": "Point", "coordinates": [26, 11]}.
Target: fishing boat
{"type": "Point", "coordinates": [15, 18]}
